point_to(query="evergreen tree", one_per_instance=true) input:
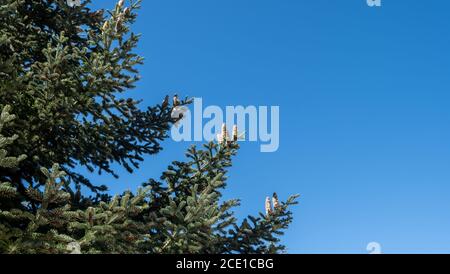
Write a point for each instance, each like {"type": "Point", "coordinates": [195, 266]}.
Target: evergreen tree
{"type": "Point", "coordinates": [63, 71]}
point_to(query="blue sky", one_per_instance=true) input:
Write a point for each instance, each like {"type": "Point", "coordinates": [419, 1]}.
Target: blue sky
{"type": "Point", "coordinates": [364, 117]}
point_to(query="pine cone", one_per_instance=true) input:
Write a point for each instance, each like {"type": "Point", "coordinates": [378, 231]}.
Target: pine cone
{"type": "Point", "coordinates": [268, 206]}
{"type": "Point", "coordinates": [275, 202]}
{"type": "Point", "coordinates": [235, 133]}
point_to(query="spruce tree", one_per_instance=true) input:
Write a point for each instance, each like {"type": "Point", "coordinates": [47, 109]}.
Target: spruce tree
{"type": "Point", "coordinates": [64, 69]}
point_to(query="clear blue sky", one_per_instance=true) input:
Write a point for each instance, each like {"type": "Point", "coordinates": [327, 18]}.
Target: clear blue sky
{"type": "Point", "coordinates": [364, 99]}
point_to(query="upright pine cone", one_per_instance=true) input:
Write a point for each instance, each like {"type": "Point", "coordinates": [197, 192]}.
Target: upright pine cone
{"type": "Point", "coordinates": [268, 206]}
{"type": "Point", "coordinates": [275, 202]}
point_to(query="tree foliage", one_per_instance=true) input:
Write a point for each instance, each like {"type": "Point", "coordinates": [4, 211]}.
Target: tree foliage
{"type": "Point", "coordinates": [63, 73]}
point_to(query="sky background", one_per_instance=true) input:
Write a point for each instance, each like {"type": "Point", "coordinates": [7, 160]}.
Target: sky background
{"type": "Point", "coordinates": [364, 116]}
